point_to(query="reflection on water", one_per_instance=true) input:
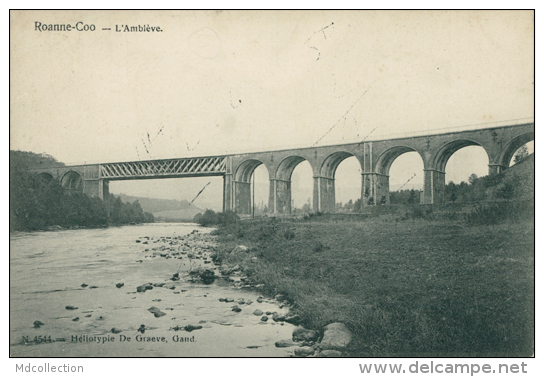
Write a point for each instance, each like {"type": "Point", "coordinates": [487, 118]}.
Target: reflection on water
{"type": "Point", "coordinates": [50, 271]}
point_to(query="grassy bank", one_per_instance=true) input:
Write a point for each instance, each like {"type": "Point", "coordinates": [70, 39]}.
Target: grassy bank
{"type": "Point", "coordinates": [404, 287]}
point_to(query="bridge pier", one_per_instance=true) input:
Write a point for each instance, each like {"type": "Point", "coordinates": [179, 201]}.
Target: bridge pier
{"type": "Point", "coordinates": [375, 189]}
{"type": "Point", "coordinates": [324, 194]}
{"type": "Point", "coordinates": [242, 198]}
{"type": "Point", "coordinates": [227, 193]}
{"type": "Point", "coordinates": [280, 196]}
{"type": "Point", "coordinates": [99, 188]}
{"type": "Point", "coordinates": [496, 169]}
{"type": "Point", "coordinates": [434, 186]}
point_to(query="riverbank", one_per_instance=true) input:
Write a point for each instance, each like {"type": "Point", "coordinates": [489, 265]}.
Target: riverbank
{"type": "Point", "coordinates": [409, 287]}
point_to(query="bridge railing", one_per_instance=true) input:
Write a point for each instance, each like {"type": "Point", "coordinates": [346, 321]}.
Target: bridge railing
{"type": "Point", "coordinates": [400, 135]}
{"type": "Point", "coordinates": [370, 137]}
{"type": "Point", "coordinates": [445, 130]}
{"type": "Point", "coordinates": [175, 167]}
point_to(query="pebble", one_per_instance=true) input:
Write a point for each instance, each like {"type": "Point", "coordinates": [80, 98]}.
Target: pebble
{"type": "Point", "coordinates": [304, 351]}
{"type": "Point", "coordinates": [329, 353]}
{"type": "Point", "coordinates": [37, 324]}
{"type": "Point", "coordinates": [71, 307]}
{"type": "Point", "coordinates": [119, 285]}
{"type": "Point", "coordinates": [190, 328]}
{"type": "Point", "coordinates": [286, 343]}
{"type": "Point", "coordinates": [258, 312]}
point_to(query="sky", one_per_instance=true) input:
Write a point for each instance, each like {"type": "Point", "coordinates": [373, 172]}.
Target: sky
{"type": "Point", "coordinates": [224, 82]}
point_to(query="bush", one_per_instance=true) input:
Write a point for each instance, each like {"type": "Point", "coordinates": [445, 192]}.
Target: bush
{"type": "Point", "coordinates": [495, 213]}
{"type": "Point", "coordinates": [197, 218]}
{"type": "Point", "coordinates": [289, 234]}
{"type": "Point", "coordinates": [210, 218]}
{"type": "Point", "coordinates": [318, 247]}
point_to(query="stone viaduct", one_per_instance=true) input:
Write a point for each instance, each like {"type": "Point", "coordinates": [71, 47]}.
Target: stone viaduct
{"type": "Point", "coordinates": [374, 156]}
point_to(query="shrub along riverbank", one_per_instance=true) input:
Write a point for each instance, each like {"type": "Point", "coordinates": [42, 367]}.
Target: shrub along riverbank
{"type": "Point", "coordinates": [36, 203]}
{"type": "Point", "coordinates": [405, 286]}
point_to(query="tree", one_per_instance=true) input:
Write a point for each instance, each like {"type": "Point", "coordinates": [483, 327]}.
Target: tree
{"type": "Point", "coordinates": [413, 197]}
{"type": "Point", "coordinates": [357, 205]}
{"type": "Point", "coordinates": [521, 153]}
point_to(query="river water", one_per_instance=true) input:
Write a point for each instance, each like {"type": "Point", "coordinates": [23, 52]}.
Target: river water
{"type": "Point", "coordinates": [48, 269]}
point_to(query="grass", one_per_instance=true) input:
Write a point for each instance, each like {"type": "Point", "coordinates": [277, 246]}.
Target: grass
{"type": "Point", "coordinates": [411, 287]}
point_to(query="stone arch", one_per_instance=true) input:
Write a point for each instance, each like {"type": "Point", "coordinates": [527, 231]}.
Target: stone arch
{"type": "Point", "coordinates": [376, 185]}
{"type": "Point", "coordinates": [72, 182]}
{"type": "Point", "coordinates": [510, 149]}
{"type": "Point", "coordinates": [386, 159]}
{"type": "Point", "coordinates": [243, 185]}
{"type": "Point", "coordinates": [280, 184]}
{"type": "Point", "coordinates": [446, 151]}
{"type": "Point", "coordinates": [245, 170]}
{"type": "Point", "coordinates": [46, 177]}
{"type": "Point", "coordinates": [331, 163]}
{"type": "Point", "coordinates": [287, 166]}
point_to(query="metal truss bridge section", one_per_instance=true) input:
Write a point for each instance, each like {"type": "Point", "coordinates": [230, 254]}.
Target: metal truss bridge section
{"type": "Point", "coordinates": [184, 167]}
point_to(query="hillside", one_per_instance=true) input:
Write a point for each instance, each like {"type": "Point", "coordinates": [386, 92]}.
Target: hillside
{"type": "Point", "coordinates": [25, 160]}
{"type": "Point", "coordinates": [165, 209]}
{"type": "Point", "coordinates": [37, 204]}
{"type": "Point", "coordinates": [523, 175]}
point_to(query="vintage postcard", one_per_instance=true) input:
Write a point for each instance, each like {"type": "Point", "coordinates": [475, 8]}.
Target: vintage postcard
{"type": "Point", "coordinates": [272, 184]}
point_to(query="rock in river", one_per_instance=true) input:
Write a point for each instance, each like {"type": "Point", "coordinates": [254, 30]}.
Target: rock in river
{"type": "Point", "coordinates": [258, 312]}
{"type": "Point", "coordinates": [156, 311]}
{"type": "Point", "coordinates": [294, 319]}
{"type": "Point", "coordinates": [280, 297]}
{"type": "Point", "coordinates": [300, 334]}
{"type": "Point", "coordinates": [115, 330]}
{"type": "Point", "coordinates": [37, 324]}
{"type": "Point", "coordinates": [119, 285]}
{"type": "Point", "coordinates": [286, 343]}
{"type": "Point", "coordinates": [190, 328]}
{"type": "Point", "coordinates": [71, 307]}
{"type": "Point", "coordinates": [336, 337]}
{"type": "Point", "coordinates": [144, 287]}
{"type": "Point", "coordinates": [277, 317]}
{"type": "Point", "coordinates": [304, 351]}
{"type": "Point", "coordinates": [329, 353]}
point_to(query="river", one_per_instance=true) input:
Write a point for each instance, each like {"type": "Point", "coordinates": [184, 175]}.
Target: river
{"type": "Point", "coordinates": [79, 269]}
